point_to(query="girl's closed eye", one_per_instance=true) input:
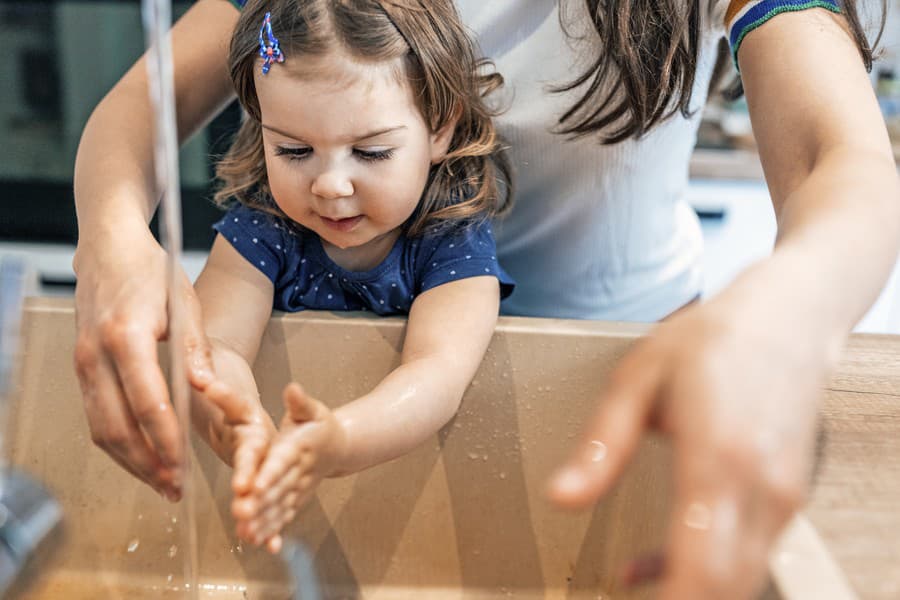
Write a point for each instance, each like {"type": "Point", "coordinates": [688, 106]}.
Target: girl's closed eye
{"type": "Point", "coordinates": [293, 153]}
{"type": "Point", "coordinates": [373, 154]}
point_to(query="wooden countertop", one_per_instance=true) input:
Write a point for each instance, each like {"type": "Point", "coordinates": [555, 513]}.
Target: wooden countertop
{"type": "Point", "coordinates": [855, 502]}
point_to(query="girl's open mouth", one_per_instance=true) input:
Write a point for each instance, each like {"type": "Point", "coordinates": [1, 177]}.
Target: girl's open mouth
{"type": "Point", "coordinates": [343, 225]}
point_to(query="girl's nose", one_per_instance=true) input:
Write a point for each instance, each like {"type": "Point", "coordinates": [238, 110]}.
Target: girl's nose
{"type": "Point", "coordinates": [332, 184]}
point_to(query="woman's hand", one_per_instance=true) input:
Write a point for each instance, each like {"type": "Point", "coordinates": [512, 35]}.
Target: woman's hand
{"type": "Point", "coordinates": [736, 392]}
{"type": "Point", "coordinates": [309, 447]}
{"type": "Point", "coordinates": [121, 315]}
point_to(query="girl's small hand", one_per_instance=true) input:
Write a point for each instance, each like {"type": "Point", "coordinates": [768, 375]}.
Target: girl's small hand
{"type": "Point", "coordinates": [242, 438]}
{"type": "Point", "coordinates": [308, 447]}
{"type": "Point", "coordinates": [736, 392]}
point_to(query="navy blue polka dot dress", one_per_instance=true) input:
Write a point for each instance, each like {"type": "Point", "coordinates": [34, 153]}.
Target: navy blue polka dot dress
{"type": "Point", "coordinates": [306, 278]}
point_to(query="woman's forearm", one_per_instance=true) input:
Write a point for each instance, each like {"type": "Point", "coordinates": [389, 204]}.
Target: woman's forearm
{"type": "Point", "coordinates": [838, 239]}
{"type": "Point", "coordinates": [114, 164]}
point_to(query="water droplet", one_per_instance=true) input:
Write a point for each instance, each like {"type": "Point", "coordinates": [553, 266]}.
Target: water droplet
{"type": "Point", "coordinates": [473, 456]}
{"type": "Point", "coordinates": [502, 475]}
{"type": "Point", "coordinates": [174, 520]}
{"type": "Point", "coordinates": [599, 451]}
{"type": "Point", "coordinates": [484, 457]}
{"type": "Point", "coordinates": [169, 578]}
{"type": "Point", "coordinates": [140, 517]}
{"type": "Point", "coordinates": [133, 545]}
{"type": "Point", "coordinates": [173, 550]}
{"type": "Point", "coordinates": [698, 516]}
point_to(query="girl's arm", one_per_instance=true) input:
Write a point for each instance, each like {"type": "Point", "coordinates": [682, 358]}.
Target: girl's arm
{"type": "Point", "coordinates": [236, 299]}
{"type": "Point", "coordinates": [120, 295]}
{"type": "Point", "coordinates": [736, 381]}
{"type": "Point", "coordinates": [448, 332]}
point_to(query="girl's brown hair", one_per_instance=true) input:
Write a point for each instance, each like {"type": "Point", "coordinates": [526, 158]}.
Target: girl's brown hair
{"type": "Point", "coordinates": [473, 182]}
{"type": "Point", "coordinates": [645, 63]}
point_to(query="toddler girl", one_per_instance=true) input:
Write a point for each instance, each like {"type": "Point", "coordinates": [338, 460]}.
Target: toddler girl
{"type": "Point", "coordinates": [363, 178]}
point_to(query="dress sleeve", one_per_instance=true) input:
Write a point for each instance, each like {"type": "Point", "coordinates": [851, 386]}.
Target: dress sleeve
{"type": "Point", "coordinates": [238, 3]}
{"type": "Point", "coordinates": [460, 254]}
{"type": "Point", "coordinates": [743, 16]}
{"type": "Point", "coordinates": [258, 237]}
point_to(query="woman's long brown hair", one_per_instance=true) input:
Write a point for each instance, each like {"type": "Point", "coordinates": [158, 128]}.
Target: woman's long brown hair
{"type": "Point", "coordinates": [473, 182]}
{"type": "Point", "coordinates": [645, 64]}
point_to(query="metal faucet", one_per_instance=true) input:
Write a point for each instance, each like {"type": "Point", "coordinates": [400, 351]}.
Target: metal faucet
{"type": "Point", "coordinates": [30, 518]}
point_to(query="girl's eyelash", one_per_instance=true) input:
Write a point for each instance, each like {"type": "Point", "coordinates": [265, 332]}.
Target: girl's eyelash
{"type": "Point", "coordinates": [292, 153]}
{"type": "Point", "coordinates": [369, 155]}
{"type": "Point", "coordinates": [366, 155]}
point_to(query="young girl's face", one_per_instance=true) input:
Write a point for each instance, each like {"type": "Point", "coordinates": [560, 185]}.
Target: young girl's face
{"type": "Point", "coordinates": [347, 150]}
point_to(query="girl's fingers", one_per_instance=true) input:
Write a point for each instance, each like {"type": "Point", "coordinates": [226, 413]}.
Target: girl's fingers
{"type": "Point", "coordinates": [274, 523]}
{"type": "Point", "coordinates": [282, 486]}
{"type": "Point", "coordinates": [298, 405]}
{"type": "Point", "coordinates": [286, 451]}
{"type": "Point", "coordinates": [274, 544]}
{"type": "Point", "coordinates": [612, 436]}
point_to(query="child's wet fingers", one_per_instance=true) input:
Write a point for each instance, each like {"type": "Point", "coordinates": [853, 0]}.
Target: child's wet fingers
{"type": "Point", "coordinates": [274, 522]}
{"type": "Point", "coordinates": [282, 456]}
{"type": "Point", "coordinates": [274, 544]}
{"type": "Point", "coordinates": [290, 500]}
{"type": "Point", "coordinates": [245, 508]}
{"type": "Point", "coordinates": [306, 484]}
{"type": "Point", "coordinates": [282, 486]}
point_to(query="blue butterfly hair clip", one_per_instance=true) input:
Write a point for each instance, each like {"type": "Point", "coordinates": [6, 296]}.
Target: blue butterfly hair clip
{"type": "Point", "coordinates": [269, 49]}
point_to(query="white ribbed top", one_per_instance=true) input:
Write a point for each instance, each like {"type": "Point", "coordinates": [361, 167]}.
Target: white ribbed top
{"type": "Point", "coordinates": [597, 232]}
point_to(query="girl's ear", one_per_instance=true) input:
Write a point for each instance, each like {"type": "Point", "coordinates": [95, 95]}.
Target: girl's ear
{"type": "Point", "coordinates": [440, 139]}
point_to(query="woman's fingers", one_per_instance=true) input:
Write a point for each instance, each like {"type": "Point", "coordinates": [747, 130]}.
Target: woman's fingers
{"type": "Point", "coordinates": [148, 396]}
{"type": "Point", "coordinates": [198, 353]}
{"type": "Point", "coordinates": [728, 508]}
{"type": "Point", "coordinates": [611, 438]}
{"type": "Point", "coordinates": [113, 427]}
{"type": "Point", "coordinates": [252, 445]}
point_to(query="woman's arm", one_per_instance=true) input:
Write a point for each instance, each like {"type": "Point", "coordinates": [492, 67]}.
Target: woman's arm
{"type": "Point", "coordinates": [121, 291]}
{"type": "Point", "coordinates": [736, 382]}
{"type": "Point", "coordinates": [831, 174]}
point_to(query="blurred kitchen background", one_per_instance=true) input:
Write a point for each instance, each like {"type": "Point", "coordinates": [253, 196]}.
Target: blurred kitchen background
{"type": "Point", "coordinates": [62, 56]}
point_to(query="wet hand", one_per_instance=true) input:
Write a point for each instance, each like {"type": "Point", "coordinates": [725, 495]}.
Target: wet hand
{"type": "Point", "coordinates": [242, 437]}
{"type": "Point", "coordinates": [737, 395]}
{"type": "Point", "coordinates": [121, 315]}
{"type": "Point", "coordinates": [307, 448]}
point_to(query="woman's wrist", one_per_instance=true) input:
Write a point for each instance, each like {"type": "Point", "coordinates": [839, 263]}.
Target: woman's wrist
{"type": "Point", "coordinates": [774, 298]}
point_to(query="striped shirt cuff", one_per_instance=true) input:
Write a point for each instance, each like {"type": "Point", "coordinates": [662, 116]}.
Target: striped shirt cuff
{"type": "Point", "coordinates": [743, 16]}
